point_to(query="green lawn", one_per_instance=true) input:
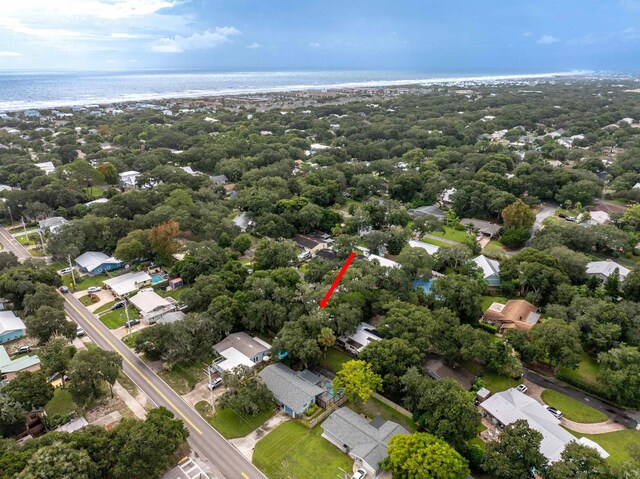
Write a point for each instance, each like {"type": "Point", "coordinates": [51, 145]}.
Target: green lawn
{"type": "Point", "coordinates": [61, 403]}
{"type": "Point", "coordinates": [617, 444]}
{"type": "Point", "coordinates": [291, 451]}
{"type": "Point", "coordinates": [489, 300]}
{"type": "Point", "coordinates": [105, 306]}
{"type": "Point", "coordinates": [334, 359]}
{"type": "Point", "coordinates": [94, 191]}
{"type": "Point", "coordinates": [130, 339]}
{"type": "Point", "coordinates": [435, 242]}
{"type": "Point", "coordinates": [452, 234]}
{"type": "Point", "coordinates": [26, 240]}
{"type": "Point", "coordinates": [175, 294]}
{"type": "Point", "coordinates": [494, 249]}
{"type": "Point", "coordinates": [184, 376]}
{"type": "Point", "coordinates": [117, 318]}
{"type": "Point", "coordinates": [495, 383]}
{"type": "Point", "coordinates": [85, 281]}
{"type": "Point", "coordinates": [572, 409]}
{"type": "Point", "coordinates": [87, 300]}
{"type": "Point", "coordinates": [230, 424]}
{"type": "Point", "coordinates": [587, 371]}
{"type": "Point", "coordinates": [374, 407]}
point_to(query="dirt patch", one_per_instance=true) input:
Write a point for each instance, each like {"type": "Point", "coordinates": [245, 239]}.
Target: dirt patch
{"type": "Point", "coordinates": [437, 366]}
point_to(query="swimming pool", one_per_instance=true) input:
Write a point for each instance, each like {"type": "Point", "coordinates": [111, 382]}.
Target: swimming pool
{"type": "Point", "coordinates": [424, 284]}
{"type": "Point", "coordinates": [156, 278]}
{"type": "Point", "coordinates": [331, 391]}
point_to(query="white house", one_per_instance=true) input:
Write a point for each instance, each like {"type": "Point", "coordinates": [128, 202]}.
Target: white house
{"type": "Point", "coordinates": [356, 342]}
{"type": "Point", "coordinates": [240, 349]}
{"type": "Point", "coordinates": [127, 283]}
{"type": "Point", "coordinates": [511, 405]}
{"type": "Point", "coordinates": [128, 179]}
{"type": "Point", "coordinates": [429, 248]}
{"type": "Point", "coordinates": [490, 270]}
{"type": "Point", "coordinates": [382, 261]}
{"type": "Point", "coordinates": [47, 167]}
{"type": "Point", "coordinates": [51, 225]}
{"type": "Point", "coordinates": [152, 306]}
{"type": "Point", "coordinates": [603, 269]}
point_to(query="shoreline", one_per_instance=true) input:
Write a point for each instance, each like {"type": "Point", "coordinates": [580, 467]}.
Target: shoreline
{"type": "Point", "coordinates": [201, 94]}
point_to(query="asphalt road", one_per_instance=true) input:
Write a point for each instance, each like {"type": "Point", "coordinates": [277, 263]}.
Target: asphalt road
{"type": "Point", "coordinates": [11, 245]}
{"type": "Point", "coordinates": [224, 459]}
{"type": "Point", "coordinates": [627, 418]}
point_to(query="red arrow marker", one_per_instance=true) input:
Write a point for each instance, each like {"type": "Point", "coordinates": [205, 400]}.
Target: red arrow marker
{"type": "Point", "coordinates": [333, 287]}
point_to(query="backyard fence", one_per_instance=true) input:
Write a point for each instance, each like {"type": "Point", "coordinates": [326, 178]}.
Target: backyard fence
{"type": "Point", "coordinates": [335, 405]}
{"type": "Point", "coordinates": [393, 405]}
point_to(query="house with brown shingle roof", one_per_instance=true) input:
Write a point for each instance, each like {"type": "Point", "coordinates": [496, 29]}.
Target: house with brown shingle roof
{"type": "Point", "coordinates": [517, 313]}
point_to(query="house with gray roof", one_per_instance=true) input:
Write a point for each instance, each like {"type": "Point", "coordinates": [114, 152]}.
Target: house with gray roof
{"type": "Point", "coordinates": [51, 225]}
{"type": "Point", "coordinates": [294, 392]}
{"type": "Point", "coordinates": [365, 441]}
{"type": "Point", "coordinates": [432, 210]}
{"type": "Point", "coordinates": [239, 349]}
{"type": "Point", "coordinates": [96, 262]}
{"type": "Point", "coordinates": [603, 269]}
{"type": "Point", "coordinates": [490, 270]}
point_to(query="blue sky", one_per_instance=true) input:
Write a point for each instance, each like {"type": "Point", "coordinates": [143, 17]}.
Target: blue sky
{"type": "Point", "coordinates": [453, 36]}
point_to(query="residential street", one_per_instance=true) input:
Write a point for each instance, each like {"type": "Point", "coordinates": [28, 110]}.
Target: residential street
{"type": "Point", "coordinates": [627, 418]}
{"type": "Point", "coordinates": [226, 461]}
{"type": "Point", "coordinates": [11, 245]}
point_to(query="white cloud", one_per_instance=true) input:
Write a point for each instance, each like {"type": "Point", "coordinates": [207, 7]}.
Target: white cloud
{"type": "Point", "coordinates": [10, 54]}
{"type": "Point", "coordinates": [547, 40]}
{"type": "Point", "coordinates": [255, 45]}
{"type": "Point", "coordinates": [197, 41]}
{"type": "Point", "coordinates": [314, 44]}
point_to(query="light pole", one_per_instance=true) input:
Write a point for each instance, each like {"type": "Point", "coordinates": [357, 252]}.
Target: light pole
{"type": "Point", "coordinates": [213, 402]}
{"type": "Point", "coordinates": [73, 275]}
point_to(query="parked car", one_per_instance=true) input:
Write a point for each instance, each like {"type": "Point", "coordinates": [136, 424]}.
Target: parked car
{"type": "Point", "coordinates": [22, 350]}
{"type": "Point", "coordinates": [522, 388]}
{"type": "Point", "coordinates": [79, 331]}
{"type": "Point", "coordinates": [64, 271]}
{"type": "Point", "coordinates": [215, 383]}
{"type": "Point", "coordinates": [117, 305]}
{"type": "Point", "coordinates": [93, 289]}
{"type": "Point", "coordinates": [64, 289]}
{"type": "Point", "coordinates": [146, 290]}
{"type": "Point", "coordinates": [359, 474]}
{"type": "Point", "coordinates": [556, 412]}
{"type": "Point", "coordinates": [131, 322]}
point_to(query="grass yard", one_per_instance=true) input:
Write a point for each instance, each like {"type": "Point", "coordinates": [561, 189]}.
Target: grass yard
{"type": "Point", "coordinates": [435, 242]}
{"type": "Point", "coordinates": [87, 299]}
{"type": "Point", "coordinates": [184, 376]}
{"type": "Point", "coordinates": [130, 339]}
{"type": "Point", "coordinates": [572, 409]}
{"type": "Point", "coordinates": [61, 403]}
{"type": "Point", "coordinates": [117, 318]}
{"type": "Point", "coordinates": [587, 371]}
{"type": "Point", "coordinates": [293, 451]}
{"type": "Point", "coordinates": [494, 249]}
{"type": "Point", "coordinates": [334, 359]}
{"type": "Point", "coordinates": [489, 300]}
{"type": "Point", "coordinates": [26, 240]}
{"type": "Point", "coordinates": [374, 407]}
{"type": "Point", "coordinates": [94, 191]}
{"type": "Point", "coordinates": [175, 294]}
{"type": "Point", "coordinates": [105, 307]}
{"type": "Point", "coordinates": [230, 424]}
{"type": "Point", "coordinates": [618, 444]}
{"type": "Point", "coordinates": [452, 234]}
{"type": "Point", "coordinates": [83, 282]}
{"type": "Point", "coordinates": [496, 383]}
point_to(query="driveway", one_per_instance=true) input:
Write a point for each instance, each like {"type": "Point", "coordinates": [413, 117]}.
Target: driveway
{"type": "Point", "coordinates": [547, 210]}
{"type": "Point", "coordinates": [247, 444]}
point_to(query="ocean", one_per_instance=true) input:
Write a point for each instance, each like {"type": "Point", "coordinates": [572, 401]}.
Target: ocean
{"type": "Point", "coordinates": [27, 90]}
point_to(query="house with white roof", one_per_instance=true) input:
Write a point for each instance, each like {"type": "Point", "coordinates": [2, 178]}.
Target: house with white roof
{"type": "Point", "coordinates": [240, 349]}
{"type": "Point", "coordinates": [128, 179]}
{"type": "Point", "coordinates": [11, 327]}
{"type": "Point", "coordinates": [356, 342]}
{"type": "Point", "coordinates": [603, 269]}
{"type": "Point", "coordinates": [508, 406]}
{"type": "Point", "coordinates": [490, 270]}
{"type": "Point", "coordinates": [382, 261]}
{"type": "Point", "coordinates": [126, 284]}
{"type": "Point", "coordinates": [96, 262]}
{"type": "Point", "coordinates": [97, 202]}
{"type": "Point", "coordinates": [429, 248]}
{"type": "Point", "coordinates": [152, 306]}
{"type": "Point", "coordinates": [47, 167]}
{"type": "Point", "coordinates": [51, 225]}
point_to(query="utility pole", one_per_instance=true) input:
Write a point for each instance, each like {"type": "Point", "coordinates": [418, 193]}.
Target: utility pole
{"type": "Point", "coordinates": [23, 225]}
{"type": "Point", "coordinates": [10, 215]}
{"type": "Point", "coordinates": [73, 275]}
{"type": "Point", "coordinates": [213, 402]}
{"type": "Point", "coordinates": [126, 313]}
